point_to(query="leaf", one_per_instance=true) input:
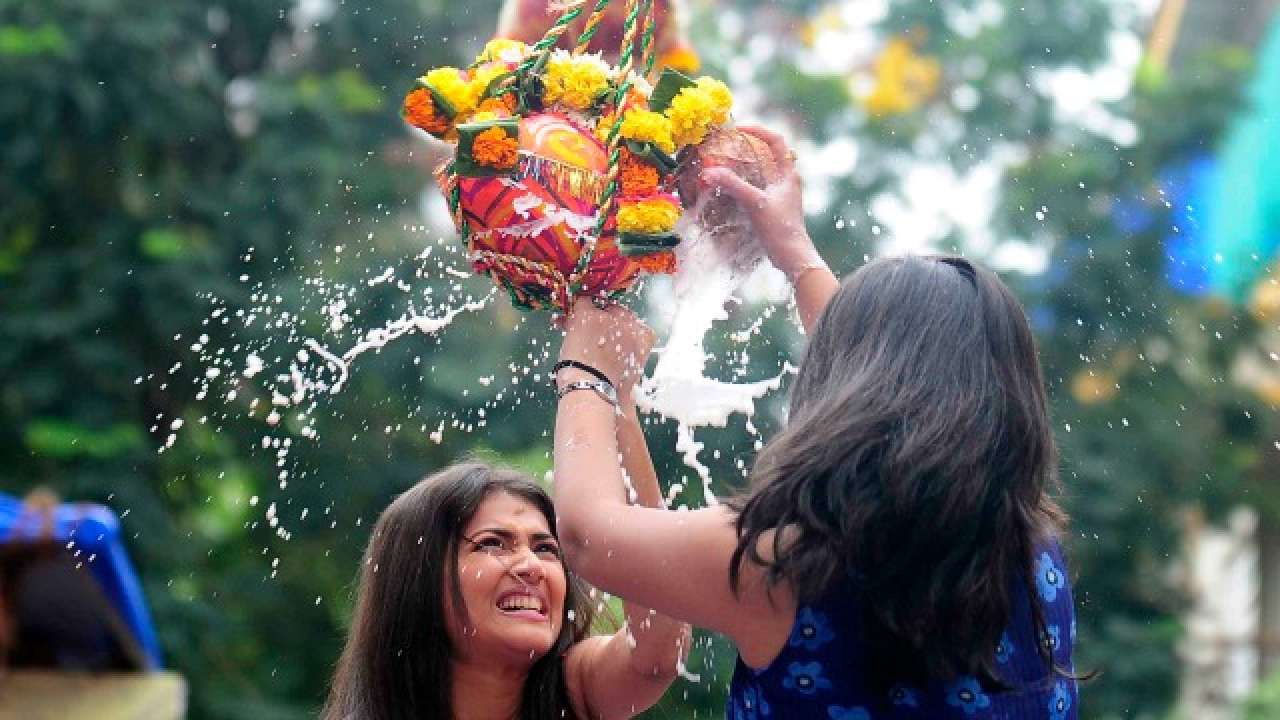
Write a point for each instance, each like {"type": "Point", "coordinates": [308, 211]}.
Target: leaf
{"type": "Point", "coordinates": [669, 86]}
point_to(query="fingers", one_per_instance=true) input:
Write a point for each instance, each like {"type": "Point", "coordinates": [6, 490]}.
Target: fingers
{"type": "Point", "coordinates": [782, 152]}
{"type": "Point", "coordinates": [734, 186]}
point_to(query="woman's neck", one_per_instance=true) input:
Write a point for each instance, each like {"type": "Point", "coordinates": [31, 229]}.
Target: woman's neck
{"type": "Point", "coordinates": [486, 693]}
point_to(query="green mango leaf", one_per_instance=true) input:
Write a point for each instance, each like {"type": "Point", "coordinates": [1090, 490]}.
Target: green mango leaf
{"type": "Point", "coordinates": [669, 86]}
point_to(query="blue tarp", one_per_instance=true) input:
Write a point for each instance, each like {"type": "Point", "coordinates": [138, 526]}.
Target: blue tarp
{"type": "Point", "coordinates": [92, 534]}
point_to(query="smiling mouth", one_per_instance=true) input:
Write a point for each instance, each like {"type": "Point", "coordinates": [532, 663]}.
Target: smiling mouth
{"type": "Point", "coordinates": [522, 605]}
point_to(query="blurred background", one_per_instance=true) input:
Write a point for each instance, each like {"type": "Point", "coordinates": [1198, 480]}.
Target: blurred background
{"type": "Point", "coordinates": [171, 172]}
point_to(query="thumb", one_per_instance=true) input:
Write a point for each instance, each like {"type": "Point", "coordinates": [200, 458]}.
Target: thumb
{"type": "Point", "coordinates": [734, 186]}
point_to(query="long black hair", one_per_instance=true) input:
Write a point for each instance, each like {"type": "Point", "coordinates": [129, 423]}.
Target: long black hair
{"type": "Point", "coordinates": [397, 661]}
{"type": "Point", "coordinates": [918, 459]}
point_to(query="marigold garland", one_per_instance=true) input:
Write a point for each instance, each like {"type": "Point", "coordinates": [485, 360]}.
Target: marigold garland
{"type": "Point", "coordinates": [637, 177]}
{"type": "Point", "coordinates": [654, 216]}
{"type": "Point", "coordinates": [659, 263]}
{"type": "Point", "coordinates": [695, 110]}
{"type": "Point", "coordinates": [648, 126]}
{"type": "Point", "coordinates": [455, 90]}
{"type": "Point", "coordinates": [501, 87]}
{"type": "Point", "coordinates": [420, 112]}
{"type": "Point", "coordinates": [494, 148]}
{"type": "Point", "coordinates": [575, 80]}
{"type": "Point", "coordinates": [495, 108]}
{"type": "Point", "coordinates": [482, 77]}
{"type": "Point", "coordinates": [504, 50]}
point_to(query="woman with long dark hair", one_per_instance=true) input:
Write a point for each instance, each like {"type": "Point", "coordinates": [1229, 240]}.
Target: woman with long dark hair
{"type": "Point", "coordinates": [466, 611]}
{"type": "Point", "coordinates": [897, 554]}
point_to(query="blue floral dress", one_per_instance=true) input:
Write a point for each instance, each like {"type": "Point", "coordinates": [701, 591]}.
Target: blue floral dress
{"type": "Point", "coordinates": [821, 672]}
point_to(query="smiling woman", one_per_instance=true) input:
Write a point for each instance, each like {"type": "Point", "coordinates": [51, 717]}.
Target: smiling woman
{"type": "Point", "coordinates": [466, 610]}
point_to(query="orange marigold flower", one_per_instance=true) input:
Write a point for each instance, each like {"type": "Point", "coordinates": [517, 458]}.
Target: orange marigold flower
{"type": "Point", "coordinates": [420, 112]}
{"type": "Point", "coordinates": [503, 105]}
{"type": "Point", "coordinates": [663, 263]}
{"type": "Point", "coordinates": [637, 177]}
{"type": "Point", "coordinates": [495, 149]}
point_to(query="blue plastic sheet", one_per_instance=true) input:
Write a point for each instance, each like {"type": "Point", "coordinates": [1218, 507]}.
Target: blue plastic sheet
{"type": "Point", "coordinates": [93, 531]}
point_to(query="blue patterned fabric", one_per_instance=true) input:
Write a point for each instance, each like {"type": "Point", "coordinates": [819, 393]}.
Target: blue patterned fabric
{"type": "Point", "coordinates": [822, 671]}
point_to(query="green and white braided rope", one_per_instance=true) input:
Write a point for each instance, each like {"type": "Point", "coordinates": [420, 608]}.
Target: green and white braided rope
{"type": "Point", "coordinates": [626, 65]}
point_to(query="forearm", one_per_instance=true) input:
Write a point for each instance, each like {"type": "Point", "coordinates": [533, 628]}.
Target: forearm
{"type": "Point", "coordinates": [588, 477]}
{"type": "Point", "coordinates": [661, 643]}
{"type": "Point", "coordinates": [814, 288]}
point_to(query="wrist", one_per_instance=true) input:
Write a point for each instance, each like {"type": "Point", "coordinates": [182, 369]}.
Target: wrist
{"type": "Point", "coordinates": [564, 376]}
{"type": "Point", "coordinates": [796, 255]}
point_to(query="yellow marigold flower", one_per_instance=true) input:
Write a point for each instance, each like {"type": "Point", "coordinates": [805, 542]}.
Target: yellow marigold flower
{"type": "Point", "coordinates": [604, 126]}
{"type": "Point", "coordinates": [720, 95]}
{"type": "Point", "coordinates": [496, 149]}
{"type": "Point", "coordinates": [575, 80]}
{"type": "Point", "coordinates": [648, 126]}
{"type": "Point", "coordinates": [482, 77]}
{"type": "Point", "coordinates": [503, 49]}
{"type": "Point", "coordinates": [456, 91]}
{"type": "Point", "coordinates": [648, 217]}
{"type": "Point", "coordinates": [483, 116]}
{"type": "Point", "coordinates": [693, 113]}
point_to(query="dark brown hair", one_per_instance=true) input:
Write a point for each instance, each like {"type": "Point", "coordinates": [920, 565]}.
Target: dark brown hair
{"type": "Point", "coordinates": [918, 459]}
{"type": "Point", "coordinates": [397, 660]}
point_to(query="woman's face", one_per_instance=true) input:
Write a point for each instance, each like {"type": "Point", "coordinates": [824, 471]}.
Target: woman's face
{"type": "Point", "coordinates": [513, 582]}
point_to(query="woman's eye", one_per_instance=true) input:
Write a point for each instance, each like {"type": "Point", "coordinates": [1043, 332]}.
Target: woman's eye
{"type": "Point", "coordinates": [549, 549]}
{"type": "Point", "coordinates": [489, 543]}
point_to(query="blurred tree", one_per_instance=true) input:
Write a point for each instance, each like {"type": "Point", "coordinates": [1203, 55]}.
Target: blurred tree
{"type": "Point", "coordinates": [156, 153]}
{"type": "Point", "coordinates": [153, 153]}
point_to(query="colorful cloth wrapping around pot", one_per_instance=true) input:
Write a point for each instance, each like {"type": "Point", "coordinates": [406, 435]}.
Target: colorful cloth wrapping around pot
{"type": "Point", "coordinates": [527, 231]}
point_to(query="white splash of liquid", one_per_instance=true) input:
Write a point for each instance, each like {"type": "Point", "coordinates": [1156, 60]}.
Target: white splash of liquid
{"type": "Point", "coordinates": [714, 262]}
{"type": "Point", "coordinates": [378, 338]}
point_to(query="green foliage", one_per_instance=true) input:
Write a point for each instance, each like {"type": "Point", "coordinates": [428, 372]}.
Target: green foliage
{"type": "Point", "coordinates": [155, 152]}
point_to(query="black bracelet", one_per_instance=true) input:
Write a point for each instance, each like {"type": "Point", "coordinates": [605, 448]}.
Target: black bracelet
{"type": "Point", "coordinates": [555, 370]}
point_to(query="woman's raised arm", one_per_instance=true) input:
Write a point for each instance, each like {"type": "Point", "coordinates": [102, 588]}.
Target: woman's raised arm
{"type": "Point", "coordinates": [676, 563]}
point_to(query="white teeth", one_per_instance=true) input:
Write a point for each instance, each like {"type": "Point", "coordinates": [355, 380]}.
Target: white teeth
{"type": "Point", "coordinates": [521, 602]}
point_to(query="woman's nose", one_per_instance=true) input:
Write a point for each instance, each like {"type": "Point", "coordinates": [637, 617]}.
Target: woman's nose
{"type": "Point", "coordinates": [527, 566]}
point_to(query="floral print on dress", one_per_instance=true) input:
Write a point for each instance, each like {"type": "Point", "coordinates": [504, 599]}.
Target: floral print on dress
{"type": "Point", "coordinates": [904, 696]}
{"type": "Point", "coordinates": [805, 678]}
{"type": "Point", "coordinates": [812, 630]}
{"type": "Point", "coordinates": [1059, 702]}
{"type": "Point", "coordinates": [1051, 638]}
{"type": "Point", "coordinates": [824, 669]}
{"type": "Point", "coordinates": [966, 694]}
{"type": "Point", "coordinates": [1049, 579]}
{"type": "Point", "coordinates": [754, 705]}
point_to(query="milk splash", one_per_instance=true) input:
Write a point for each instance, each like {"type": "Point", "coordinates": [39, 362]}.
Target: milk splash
{"type": "Point", "coordinates": [714, 262]}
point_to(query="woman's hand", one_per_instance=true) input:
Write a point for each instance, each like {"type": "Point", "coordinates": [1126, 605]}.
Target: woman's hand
{"type": "Point", "coordinates": [612, 340]}
{"type": "Point", "coordinates": [777, 211]}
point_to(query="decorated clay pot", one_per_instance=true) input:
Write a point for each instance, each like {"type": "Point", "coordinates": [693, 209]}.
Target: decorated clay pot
{"type": "Point", "coordinates": [527, 229]}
